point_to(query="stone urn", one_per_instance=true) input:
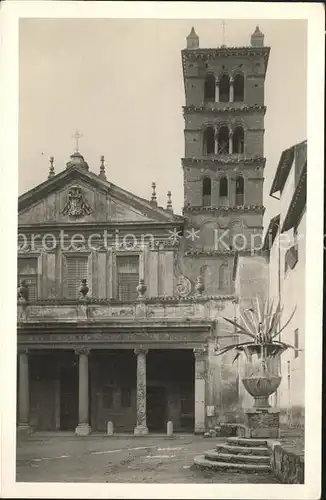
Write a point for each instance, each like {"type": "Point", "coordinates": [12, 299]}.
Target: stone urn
{"type": "Point", "coordinates": [141, 288]}
{"type": "Point", "coordinates": [22, 292]}
{"type": "Point", "coordinates": [261, 371]}
{"type": "Point", "coordinates": [84, 289]}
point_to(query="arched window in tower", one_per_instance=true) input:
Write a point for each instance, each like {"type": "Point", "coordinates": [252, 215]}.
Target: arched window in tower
{"type": "Point", "coordinates": [224, 89]}
{"type": "Point", "coordinates": [238, 87]}
{"type": "Point", "coordinates": [239, 191]}
{"type": "Point", "coordinates": [223, 277]}
{"type": "Point", "coordinates": [207, 191]}
{"type": "Point", "coordinates": [238, 140]}
{"type": "Point", "coordinates": [209, 92]}
{"type": "Point", "coordinates": [209, 141]}
{"type": "Point", "coordinates": [223, 140]}
{"type": "Point", "coordinates": [223, 191]}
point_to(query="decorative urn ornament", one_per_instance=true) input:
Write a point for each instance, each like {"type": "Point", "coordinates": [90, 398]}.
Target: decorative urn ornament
{"type": "Point", "coordinates": [23, 291]}
{"type": "Point", "coordinates": [141, 288]}
{"type": "Point", "coordinates": [262, 352]}
{"type": "Point", "coordinates": [84, 289]}
{"type": "Point", "coordinates": [199, 287]}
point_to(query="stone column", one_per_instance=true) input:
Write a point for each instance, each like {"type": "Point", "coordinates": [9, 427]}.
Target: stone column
{"type": "Point", "coordinates": [141, 427]}
{"type": "Point", "coordinates": [230, 142]}
{"type": "Point", "coordinates": [200, 388]}
{"type": "Point", "coordinates": [231, 90]}
{"type": "Point", "coordinates": [83, 428]}
{"type": "Point", "coordinates": [217, 91]}
{"type": "Point", "coordinates": [23, 391]}
{"type": "Point", "coordinates": [216, 142]}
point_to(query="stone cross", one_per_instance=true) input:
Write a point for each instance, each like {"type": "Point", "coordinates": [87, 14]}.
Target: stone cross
{"type": "Point", "coordinates": [77, 135]}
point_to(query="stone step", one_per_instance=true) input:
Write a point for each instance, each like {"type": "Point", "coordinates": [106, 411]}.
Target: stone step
{"type": "Point", "coordinates": [229, 457]}
{"type": "Point", "coordinates": [201, 461]}
{"type": "Point", "coordinates": [247, 441]}
{"type": "Point", "coordinates": [243, 450]}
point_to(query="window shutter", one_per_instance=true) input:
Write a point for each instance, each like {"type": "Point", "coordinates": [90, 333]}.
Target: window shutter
{"type": "Point", "coordinates": [27, 270]}
{"type": "Point", "coordinates": [76, 269]}
{"type": "Point", "coordinates": [127, 277]}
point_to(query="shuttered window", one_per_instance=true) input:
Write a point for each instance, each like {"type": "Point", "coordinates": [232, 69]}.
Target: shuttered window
{"type": "Point", "coordinates": [27, 270]}
{"type": "Point", "coordinates": [76, 269]}
{"type": "Point", "coordinates": [127, 277]}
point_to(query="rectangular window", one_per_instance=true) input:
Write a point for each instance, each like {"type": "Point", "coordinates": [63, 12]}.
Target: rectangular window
{"type": "Point", "coordinates": [186, 406]}
{"type": "Point", "coordinates": [76, 269]}
{"type": "Point", "coordinates": [127, 277]}
{"type": "Point", "coordinates": [125, 397]}
{"type": "Point", "coordinates": [107, 398]}
{"type": "Point", "coordinates": [296, 343]}
{"type": "Point", "coordinates": [27, 270]}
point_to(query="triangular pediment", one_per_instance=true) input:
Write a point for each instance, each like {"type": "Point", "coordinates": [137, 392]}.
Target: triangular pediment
{"type": "Point", "coordinates": [78, 196]}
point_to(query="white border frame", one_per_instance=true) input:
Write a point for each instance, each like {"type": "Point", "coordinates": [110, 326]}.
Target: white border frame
{"type": "Point", "coordinates": [10, 12]}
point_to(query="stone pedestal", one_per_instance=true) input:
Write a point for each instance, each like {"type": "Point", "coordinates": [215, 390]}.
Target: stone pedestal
{"type": "Point", "coordinates": [200, 389]}
{"type": "Point", "coordinates": [83, 428]}
{"type": "Point", "coordinates": [262, 423]}
{"type": "Point", "coordinates": [23, 402]}
{"type": "Point", "coordinates": [141, 427]}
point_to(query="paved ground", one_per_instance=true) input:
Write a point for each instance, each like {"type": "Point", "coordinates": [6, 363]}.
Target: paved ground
{"type": "Point", "coordinates": [100, 459]}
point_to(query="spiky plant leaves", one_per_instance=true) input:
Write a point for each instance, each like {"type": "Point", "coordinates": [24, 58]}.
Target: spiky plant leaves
{"type": "Point", "coordinates": [241, 328]}
{"type": "Point", "coordinates": [285, 325]}
{"type": "Point", "coordinates": [236, 357]}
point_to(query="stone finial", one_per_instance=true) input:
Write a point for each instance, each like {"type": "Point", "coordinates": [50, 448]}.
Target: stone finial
{"type": "Point", "coordinates": [22, 292]}
{"type": "Point", "coordinates": [84, 289]}
{"type": "Point", "coordinates": [257, 38]}
{"type": "Point", "coordinates": [102, 174]}
{"type": "Point", "coordinates": [199, 287]}
{"type": "Point", "coordinates": [154, 198]}
{"type": "Point", "coordinates": [141, 288]}
{"type": "Point", "coordinates": [77, 160]}
{"type": "Point", "coordinates": [169, 202]}
{"type": "Point", "coordinates": [51, 170]}
{"type": "Point", "coordinates": [192, 40]}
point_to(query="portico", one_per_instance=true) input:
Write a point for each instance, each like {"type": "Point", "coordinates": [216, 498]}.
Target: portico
{"type": "Point", "coordinates": [138, 379]}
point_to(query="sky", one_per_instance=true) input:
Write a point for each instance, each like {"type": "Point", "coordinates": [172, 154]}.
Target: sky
{"type": "Point", "coordinates": [120, 82]}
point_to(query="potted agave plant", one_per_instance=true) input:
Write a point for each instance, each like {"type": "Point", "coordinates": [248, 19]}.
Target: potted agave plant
{"type": "Point", "coordinates": [260, 324]}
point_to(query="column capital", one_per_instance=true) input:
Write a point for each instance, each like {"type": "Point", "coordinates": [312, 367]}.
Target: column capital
{"type": "Point", "coordinates": [200, 352]}
{"type": "Point", "coordinates": [82, 350]}
{"type": "Point", "coordinates": [140, 350]}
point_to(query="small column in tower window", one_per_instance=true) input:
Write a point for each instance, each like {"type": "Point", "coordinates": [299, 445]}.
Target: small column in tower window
{"type": "Point", "coordinates": [231, 90]}
{"type": "Point", "coordinates": [217, 90]}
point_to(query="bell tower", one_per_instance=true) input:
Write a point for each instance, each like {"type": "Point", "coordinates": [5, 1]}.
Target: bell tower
{"type": "Point", "coordinates": [224, 162]}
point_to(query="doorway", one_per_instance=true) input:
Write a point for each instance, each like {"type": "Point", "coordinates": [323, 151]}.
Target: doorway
{"type": "Point", "coordinates": [156, 408]}
{"type": "Point", "coordinates": [68, 398]}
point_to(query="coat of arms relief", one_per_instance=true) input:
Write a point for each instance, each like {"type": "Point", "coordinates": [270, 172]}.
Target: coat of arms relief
{"type": "Point", "coordinates": [76, 205]}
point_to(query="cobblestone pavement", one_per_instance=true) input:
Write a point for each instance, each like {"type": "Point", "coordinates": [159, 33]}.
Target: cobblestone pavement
{"type": "Point", "coordinates": [100, 459]}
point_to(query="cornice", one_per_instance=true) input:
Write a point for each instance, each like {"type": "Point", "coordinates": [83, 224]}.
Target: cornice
{"type": "Point", "coordinates": [215, 253]}
{"type": "Point", "coordinates": [219, 210]}
{"type": "Point", "coordinates": [297, 203]}
{"type": "Point", "coordinates": [232, 159]}
{"type": "Point", "coordinates": [211, 53]}
{"type": "Point", "coordinates": [175, 299]}
{"type": "Point", "coordinates": [216, 109]}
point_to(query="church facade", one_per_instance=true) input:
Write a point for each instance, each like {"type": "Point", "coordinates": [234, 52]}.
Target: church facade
{"type": "Point", "coordinates": [120, 301]}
